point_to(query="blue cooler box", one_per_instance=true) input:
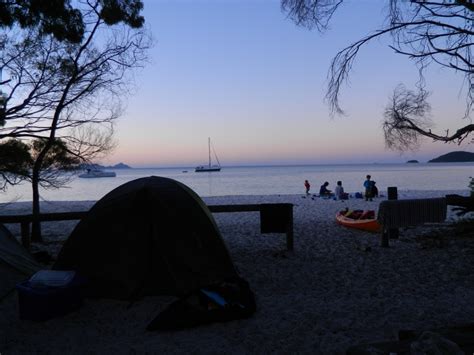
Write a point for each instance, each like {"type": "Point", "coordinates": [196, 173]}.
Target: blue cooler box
{"type": "Point", "coordinates": [42, 303]}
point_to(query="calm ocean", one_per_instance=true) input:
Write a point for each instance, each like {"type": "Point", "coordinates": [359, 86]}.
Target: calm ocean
{"type": "Point", "coordinates": [269, 180]}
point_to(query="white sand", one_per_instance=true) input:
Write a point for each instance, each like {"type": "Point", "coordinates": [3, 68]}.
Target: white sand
{"type": "Point", "coordinates": [329, 294]}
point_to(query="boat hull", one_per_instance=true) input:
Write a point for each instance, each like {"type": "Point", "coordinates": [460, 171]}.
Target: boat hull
{"type": "Point", "coordinates": [203, 170]}
{"type": "Point", "coordinates": [369, 225]}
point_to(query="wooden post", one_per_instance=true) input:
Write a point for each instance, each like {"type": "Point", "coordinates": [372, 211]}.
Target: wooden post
{"type": "Point", "coordinates": [384, 238]}
{"type": "Point", "coordinates": [25, 234]}
{"type": "Point", "coordinates": [289, 230]}
{"type": "Point", "coordinates": [277, 218]}
{"type": "Point", "coordinates": [392, 195]}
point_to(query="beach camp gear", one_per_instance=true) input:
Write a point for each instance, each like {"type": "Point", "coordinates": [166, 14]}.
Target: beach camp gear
{"type": "Point", "coordinates": [39, 297]}
{"type": "Point", "coordinates": [48, 294]}
{"type": "Point", "coordinates": [150, 236]}
{"type": "Point", "coordinates": [16, 264]}
{"type": "Point", "coordinates": [358, 219]}
{"type": "Point", "coordinates": [51, 278]}
{"type": "Point", "coordinates": [224, 301]}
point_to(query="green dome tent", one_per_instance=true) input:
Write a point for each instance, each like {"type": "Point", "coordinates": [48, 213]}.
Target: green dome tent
{"type": "Point", "coordinates": [150, 236]}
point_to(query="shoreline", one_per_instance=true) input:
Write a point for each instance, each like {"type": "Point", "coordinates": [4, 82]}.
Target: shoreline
{"type": "Point", "coordinates": [330, 293]}
{"type": "Point", "coordinates": [402, 194]}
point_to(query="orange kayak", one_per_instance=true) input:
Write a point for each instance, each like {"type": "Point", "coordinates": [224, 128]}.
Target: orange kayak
{"type": "Point", "coordinates": [359, 220]}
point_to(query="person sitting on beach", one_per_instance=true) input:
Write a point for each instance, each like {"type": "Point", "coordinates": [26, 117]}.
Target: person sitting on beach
{"type": "Point", "coordinates": [307, 186]}
{"type": "Point", "coordinates": [323, 191]}
{"type": "Point", "coordinates": [368, 188]}
{"type": "Point", "coordinates": [339, 191]}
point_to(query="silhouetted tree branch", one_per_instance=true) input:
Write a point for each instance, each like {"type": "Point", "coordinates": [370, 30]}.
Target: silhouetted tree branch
{"type": "Point", "coordinates": [311, 14]}
{"type": "Point", "coordinates": [406, 119]}
{"type": "Point", "coordinates": [427, 32]}
{"type": "Point", "coordinates": [57, 88]}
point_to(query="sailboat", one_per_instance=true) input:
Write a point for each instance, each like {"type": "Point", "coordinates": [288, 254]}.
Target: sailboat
{"type": "Point", "coordinates": [210, 167]}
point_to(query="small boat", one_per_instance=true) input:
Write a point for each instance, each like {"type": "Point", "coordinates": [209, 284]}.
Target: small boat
{"type": "Point", "coordinates": [358, 219]}
{"type": "Point", "coordinates": [97, 173]}
{"type": "Point", "coordinates": [209, 167]}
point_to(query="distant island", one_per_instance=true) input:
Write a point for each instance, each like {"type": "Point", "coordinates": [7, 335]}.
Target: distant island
{"type": "Point", "coordinates": [118, 166]}
{"type": "Point", "coordinates": [412, 161]}
{"type": "Point", "coordinates": [454, 157]}
{"type": "Point", "coordinates": [98, 166]}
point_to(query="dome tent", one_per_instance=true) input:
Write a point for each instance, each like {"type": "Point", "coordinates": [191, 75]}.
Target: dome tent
{"type": "Point", "coordinates": [150, 236]}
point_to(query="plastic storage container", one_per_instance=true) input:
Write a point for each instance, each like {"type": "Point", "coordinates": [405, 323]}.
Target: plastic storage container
{"type": "Point", "coordinates": [43, 303]}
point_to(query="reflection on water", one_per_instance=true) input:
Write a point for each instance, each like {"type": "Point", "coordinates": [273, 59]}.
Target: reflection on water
{"type": "Point", "coordinates": [269, 180]}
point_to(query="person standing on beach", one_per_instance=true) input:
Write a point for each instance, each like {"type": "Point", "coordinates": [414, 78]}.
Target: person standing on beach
{"type": "Point", "coordinates": [307, 186]}
{"type": "Point", "coordinates": [339, 191]}
{"type": "Point", "coordinates": [368, 188]}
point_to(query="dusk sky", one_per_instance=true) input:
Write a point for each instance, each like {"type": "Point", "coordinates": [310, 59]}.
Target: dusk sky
{"type": "Point", "coordinates": [242, 73]}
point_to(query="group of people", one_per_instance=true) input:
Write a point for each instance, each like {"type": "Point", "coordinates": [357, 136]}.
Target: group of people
{"type": "Point", "coordinates": [371, 190]}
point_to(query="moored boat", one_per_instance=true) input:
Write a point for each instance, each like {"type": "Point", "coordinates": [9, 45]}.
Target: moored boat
{"type": "Point", "coordinates": [209, 167]}
{"type": "Point", "coordinates": [363, 220]}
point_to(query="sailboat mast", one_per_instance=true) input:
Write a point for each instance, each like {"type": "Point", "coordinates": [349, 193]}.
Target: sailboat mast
{"type": "Point", "coordinates": [209, 146]}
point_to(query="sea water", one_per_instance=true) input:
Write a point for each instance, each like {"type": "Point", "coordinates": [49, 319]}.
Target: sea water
{"type": "Point", "coordinates": [268, 180]}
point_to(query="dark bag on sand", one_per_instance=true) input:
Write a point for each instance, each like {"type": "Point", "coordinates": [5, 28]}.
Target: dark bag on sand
{"type": "Point", "coordinates": [225, 301]}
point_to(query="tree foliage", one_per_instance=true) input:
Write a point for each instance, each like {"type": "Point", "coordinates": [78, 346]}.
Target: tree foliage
{"type": "Point", "coordinates": [427, 32]}
{"type": "Point", "coordinates": [58, 160]}
{"type": "Point", "coordinates": [64, 21]}
{"type": "Point", "coordinates": [15, 162]}
{"type": "Point", "coordinates": [17, 159]}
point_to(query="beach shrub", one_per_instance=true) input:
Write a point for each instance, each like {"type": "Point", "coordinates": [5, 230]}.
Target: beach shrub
{"type": "Point", "coordinates": [464, 227]}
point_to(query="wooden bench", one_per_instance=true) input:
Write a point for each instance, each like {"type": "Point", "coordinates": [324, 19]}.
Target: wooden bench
{"type": "Point", "coordinates": [274, 218]}
{"type": "Point", "coordinates": [394, 214]}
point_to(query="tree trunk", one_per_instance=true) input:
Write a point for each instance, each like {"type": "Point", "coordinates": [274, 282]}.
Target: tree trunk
{"type": "Point", "coordinates": [36, 224]}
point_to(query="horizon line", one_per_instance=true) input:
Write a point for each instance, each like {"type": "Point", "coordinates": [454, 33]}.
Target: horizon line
{"type": "Point", "coordinates": [288, 165]}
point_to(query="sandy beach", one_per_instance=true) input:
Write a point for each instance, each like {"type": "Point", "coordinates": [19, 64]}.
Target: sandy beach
{"type": "Point", "coordinates": [338, 288]}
